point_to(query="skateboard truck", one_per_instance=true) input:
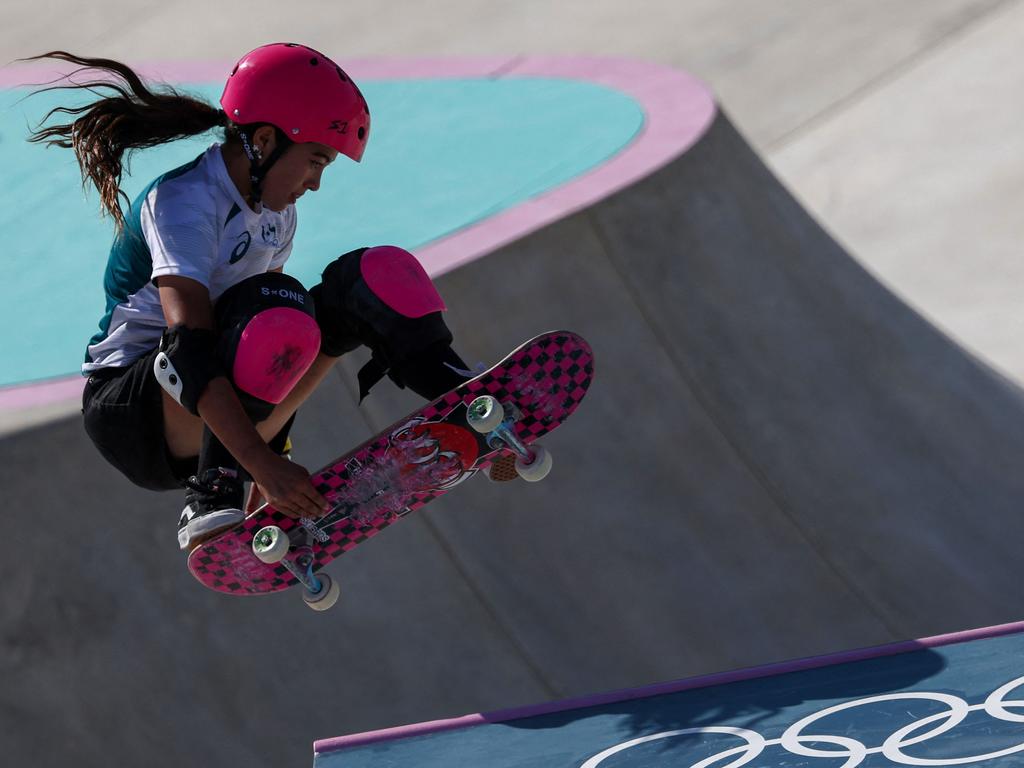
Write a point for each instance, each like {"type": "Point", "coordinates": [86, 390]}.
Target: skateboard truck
{"type": "Point", "coordinates": [271, 545]}
{"type": "Point", "coordinates": [487, 416]}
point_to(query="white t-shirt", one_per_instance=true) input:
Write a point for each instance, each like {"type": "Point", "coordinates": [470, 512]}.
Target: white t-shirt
{"type": "Point", "coordinates": [191, 222]}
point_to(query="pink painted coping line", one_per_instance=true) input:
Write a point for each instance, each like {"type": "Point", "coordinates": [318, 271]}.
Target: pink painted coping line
{"type": "Point", "coordinates": [337, 744]}
{"type": "Point", "coordinates": [41, 393]}
{"type": "Point", "coordinates": [678, 110]}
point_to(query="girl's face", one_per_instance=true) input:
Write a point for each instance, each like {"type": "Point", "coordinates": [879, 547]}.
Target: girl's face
{"type": "Point", "coordinates": [297, 171]}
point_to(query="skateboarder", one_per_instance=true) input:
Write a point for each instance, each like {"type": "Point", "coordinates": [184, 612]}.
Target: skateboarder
{"type": "Point", "coordinates": [207, 349]}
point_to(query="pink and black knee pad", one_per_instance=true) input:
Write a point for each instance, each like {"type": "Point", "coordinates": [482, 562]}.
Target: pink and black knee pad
{"type": "Point", "coordinates": [269, 338]}
{"type": "Point", "coordinates": [400, 282]}
{"type": "Point", "coordinates": [383, 298]}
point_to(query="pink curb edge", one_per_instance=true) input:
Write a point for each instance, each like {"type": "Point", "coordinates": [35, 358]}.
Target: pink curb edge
{"type": "Point", "coordinates": [336, 744]}
{"type": "Point", "coordinates": [678, 109]}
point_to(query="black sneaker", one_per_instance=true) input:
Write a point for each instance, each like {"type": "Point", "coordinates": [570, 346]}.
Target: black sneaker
{"type": "Point", "coordinates": [213, 504]}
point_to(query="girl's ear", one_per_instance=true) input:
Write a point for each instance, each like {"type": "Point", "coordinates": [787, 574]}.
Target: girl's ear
{"type": "Point", "coordinates": [264, 141]}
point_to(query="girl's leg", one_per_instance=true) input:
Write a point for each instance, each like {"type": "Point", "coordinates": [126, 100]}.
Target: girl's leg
{"type": "Point", "coordinates": [184, 432]}
{"type": "Point", "coordinates": [383, 299]}
{"type": "Point", "coordinates": [267, 342]}
{"type": "Point", "coordinates": [285, 410]}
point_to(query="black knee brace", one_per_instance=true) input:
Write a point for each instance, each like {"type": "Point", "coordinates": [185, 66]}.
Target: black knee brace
{"type": "Point", "coordinates": [268, 338]}
{"type": "Point", "coordinates": [401, 321]}
{"type": "Point", "coordinates": [432, 371]}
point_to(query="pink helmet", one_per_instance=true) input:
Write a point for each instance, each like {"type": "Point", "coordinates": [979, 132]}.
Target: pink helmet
{"type": "Point", "coordinates": [303, 93]}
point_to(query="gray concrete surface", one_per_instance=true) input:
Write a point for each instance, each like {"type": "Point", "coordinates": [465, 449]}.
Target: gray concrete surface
{"type": "Point", "coordinates": [777, 459]}
{"type": "Point", "coordinates": [923, 180]}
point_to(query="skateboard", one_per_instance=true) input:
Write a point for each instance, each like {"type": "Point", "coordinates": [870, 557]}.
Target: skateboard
{"type": "Point", "coordinates": [499, 413]}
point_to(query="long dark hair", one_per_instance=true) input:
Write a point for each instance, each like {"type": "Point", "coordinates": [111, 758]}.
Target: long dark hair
{"type": "Point", "coordinates": [129, 115]}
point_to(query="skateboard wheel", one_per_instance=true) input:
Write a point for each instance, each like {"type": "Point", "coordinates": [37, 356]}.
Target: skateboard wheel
{"type": "Point", "coordinates": [270, 544]}
{"type": "Point", "coordinates": [326, 597]}
{"type": "Point", "coordinates": [537, 469]}
{"type": "Point", "coordinates": [485, 414]}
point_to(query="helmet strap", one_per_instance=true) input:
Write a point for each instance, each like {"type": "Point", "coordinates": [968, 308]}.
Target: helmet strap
{"type": "Point", "coordinates": [259, 167]}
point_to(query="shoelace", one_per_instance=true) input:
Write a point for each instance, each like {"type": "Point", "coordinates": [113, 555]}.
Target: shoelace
{"type": "Point", "coordinates": [212, 484]}
{"type": "Point", "coordinates": [469, 374]}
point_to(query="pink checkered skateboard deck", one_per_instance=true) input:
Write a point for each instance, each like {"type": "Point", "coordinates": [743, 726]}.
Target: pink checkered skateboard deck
{"type": "Point", "coordinates": [416, 460]}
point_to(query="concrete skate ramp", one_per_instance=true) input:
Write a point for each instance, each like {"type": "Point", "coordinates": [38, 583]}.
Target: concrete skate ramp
{"type": "Point", "coordinates": [777, 459]}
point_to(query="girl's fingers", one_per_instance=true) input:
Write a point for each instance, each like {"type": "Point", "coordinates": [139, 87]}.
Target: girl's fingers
{"type": "Point", "coordinates": [319, 503]}
{"type": "Point", "coordinates": [301, 502]}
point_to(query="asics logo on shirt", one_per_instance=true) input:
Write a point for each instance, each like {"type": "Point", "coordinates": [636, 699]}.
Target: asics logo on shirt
{"type": "Point", "coordinates": [245, 240]}
{"type": "Point", "coordinates": [268, 233]}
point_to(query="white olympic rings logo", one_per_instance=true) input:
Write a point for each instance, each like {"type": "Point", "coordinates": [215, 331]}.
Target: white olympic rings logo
{"type": "Point", "coordinates": [796, 739]}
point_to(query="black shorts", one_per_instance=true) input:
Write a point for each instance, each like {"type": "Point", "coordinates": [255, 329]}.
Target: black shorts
{"type": "Point", "coordinates": [123, 413]}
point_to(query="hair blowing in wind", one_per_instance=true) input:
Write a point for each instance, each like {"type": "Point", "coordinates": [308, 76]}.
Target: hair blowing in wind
{"type": "Point", "coordinates": [128, 115]}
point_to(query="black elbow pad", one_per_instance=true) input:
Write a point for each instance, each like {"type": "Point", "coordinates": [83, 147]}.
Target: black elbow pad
{"type": "Point", "coordinates": [186, 363]}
